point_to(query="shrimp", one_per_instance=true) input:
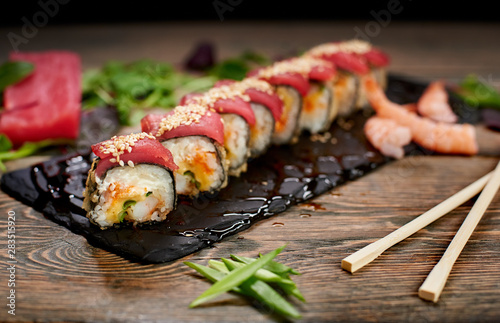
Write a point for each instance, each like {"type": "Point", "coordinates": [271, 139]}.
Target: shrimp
{"type": "Point", "coordinates": [436, 136]}
{"type": "Point", "coordinates": [387, 136]}
{"type": "Point", "coordinates": [434, 104]}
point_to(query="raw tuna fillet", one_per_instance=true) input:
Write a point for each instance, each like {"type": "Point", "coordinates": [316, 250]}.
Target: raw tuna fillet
{"type": "Point", "coordinates": [45, 105]}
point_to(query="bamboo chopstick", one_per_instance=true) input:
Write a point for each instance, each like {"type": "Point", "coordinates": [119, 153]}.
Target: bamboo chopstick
{"type": "Point", "coordinates": [434, 283]}
{"type": "Point", "coordinates": [367, 254]}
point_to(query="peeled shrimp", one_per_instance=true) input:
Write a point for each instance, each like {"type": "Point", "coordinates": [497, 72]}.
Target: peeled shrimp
{"type": "Point", "coordinates": [434, 104]}
{"type": "Point", "coordinates": [387, 136]}
{"type": "Point", "coordinates": [437, 136]}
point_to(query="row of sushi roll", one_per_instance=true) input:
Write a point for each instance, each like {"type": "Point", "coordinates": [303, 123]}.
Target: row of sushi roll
{"type": "Point", "coordinates": [210, 136]}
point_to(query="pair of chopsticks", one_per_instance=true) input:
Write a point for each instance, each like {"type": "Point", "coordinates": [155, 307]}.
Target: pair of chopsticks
{"type": "Point", "coordinates": [434, 283]}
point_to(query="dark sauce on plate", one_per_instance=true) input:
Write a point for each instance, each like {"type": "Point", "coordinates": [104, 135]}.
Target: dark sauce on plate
{"type": "Point", "coordinates": [284, 176]}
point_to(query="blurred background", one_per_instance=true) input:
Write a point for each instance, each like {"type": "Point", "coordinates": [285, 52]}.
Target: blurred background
{"type": "Point", "coordinates": [94, 11]}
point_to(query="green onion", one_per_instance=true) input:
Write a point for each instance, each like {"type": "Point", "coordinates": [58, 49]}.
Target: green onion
{"type": "Point", "coordinates": [234, 278]}
{"type": "Point", "coordinates": [275, 267]}
{"type": "Point", "coordinates": [250, 279]}
{"type": "Point", "coordinates": [264, 293]}
{"type": "Point", "coordinates": [262, 274]}
{"type": "Point", "coordinates": [281, 270]}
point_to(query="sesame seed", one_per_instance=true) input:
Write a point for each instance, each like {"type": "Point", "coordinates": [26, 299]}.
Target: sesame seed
{"type": "Point", "coordinates": [301, 65]}
{"type": "Point", "coordinates": [130, 163]}
{"type": "Point", "coordinates": [183, 115]}
{"type": "Point", "coordinates": [118, 145]}
{"type": "Point", "coordinates": [352, 46]}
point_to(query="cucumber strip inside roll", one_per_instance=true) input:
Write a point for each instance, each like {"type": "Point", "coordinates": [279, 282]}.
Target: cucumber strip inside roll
{"type": "Point", "coordinates": [201, 163]}
{"type": "Point", "coordinates": [286, 128]}
{"type": "Point", "coordinates": [315, 114]}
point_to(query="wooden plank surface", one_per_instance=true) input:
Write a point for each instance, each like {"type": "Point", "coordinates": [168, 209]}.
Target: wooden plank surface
{"type": "Point", "coordinates": [60, 277]}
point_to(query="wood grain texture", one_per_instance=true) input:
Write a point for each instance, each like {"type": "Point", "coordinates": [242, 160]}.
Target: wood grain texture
{"type": "Point", "coordinates": [60, 277]}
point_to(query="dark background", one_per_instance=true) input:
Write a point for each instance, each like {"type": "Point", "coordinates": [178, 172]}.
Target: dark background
{"type": "Point", "coordinates": [93, 11]}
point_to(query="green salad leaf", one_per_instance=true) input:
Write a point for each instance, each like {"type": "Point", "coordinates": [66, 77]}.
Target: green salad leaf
{"type": "Point", "coordinates": [14, 72]}
{"type": "Point", "coordinates": [139, 85]}
{"type": "Point", "coordinates": [236, 68]}
{"type": "Point", "coordinates": [27, 149]}
{"type": "Point", "coordinates": [478, 93]}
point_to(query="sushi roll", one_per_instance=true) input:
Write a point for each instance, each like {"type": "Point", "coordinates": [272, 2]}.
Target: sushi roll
{"type": "Point", "coordinates": [238, 117]}
{"type": "Point", "coordinates": [319, 106]}
{"type": "Point", "coordinates": [130, 180]}
{"type": "Point", "coordinates": [267, 108]}
{"type": "Point", "coordinates": [291, 85]}
{"type": "Point", "coordinates": [356, 58]}
{"type": "Point", "coordinates": [195, 136]}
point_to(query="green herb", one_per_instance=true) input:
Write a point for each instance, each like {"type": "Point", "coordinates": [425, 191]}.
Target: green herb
{"type": "Point", "coordinates": [237, 68]}
{"type": "Point", "coordinates": [149, 193]}
{"type": "Point", "coordinates": [27, 149]}
{"type": "Point", "coordinates": [14, 72]}
{"type": "Point", "coordinates": [477, 93]}
{"type": "Point", "coordinates": [250, 279]}
{"type": "Point", "coordinates": [132, 87]}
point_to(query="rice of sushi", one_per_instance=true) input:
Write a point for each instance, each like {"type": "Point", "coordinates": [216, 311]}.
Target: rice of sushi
{"type": "Point", "coordinates": [138, 194]}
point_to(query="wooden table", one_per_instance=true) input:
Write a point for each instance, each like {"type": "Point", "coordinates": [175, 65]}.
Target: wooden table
{"type": "Point", "coordinates": [60, 277]}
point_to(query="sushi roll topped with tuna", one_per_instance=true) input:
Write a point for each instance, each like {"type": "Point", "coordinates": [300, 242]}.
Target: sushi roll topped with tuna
{"type": "Point", "coordinates": [292, 80]}
{"type": "Point", "coordinates": [267, 108]}
{"type": "Point", "coordinates": [236, 111]}
{"type": "Point", "coordinates": [130, 181]}
{"type": "Point", "coordinates": [195, 136]}
{"type": "Point", "coordinates": [355, 57]}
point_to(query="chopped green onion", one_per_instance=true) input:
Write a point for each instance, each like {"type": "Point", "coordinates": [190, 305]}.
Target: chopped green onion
{"type": "Point", "coordinates": [251, 280]}
{"type": "Point", "coordinates": [262, 274]}
{"type": "Point", "coordinates": [273, 266]}
{"type": "Point", "coordinates": [234, 278]}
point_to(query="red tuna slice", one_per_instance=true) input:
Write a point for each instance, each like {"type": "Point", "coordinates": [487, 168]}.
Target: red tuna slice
{"type": "Point", "coordinates": [209, 125]}
{"type": "Point", "coordinates": [351, 62]}
{"type": "Point", "coordinates": [295, 80]}
{"type": "Point", "coordinates": [237, 106]}
{"type": "Point", "coordinates": [187, 98]}
{"type": "Point", "coordinates": [40, 122]}
{"type": "Point", "coordinates": [145, 149]}
{"type": "Point", "coordinates": [322, 73]}
{"type": "Point", "coordinates": [47, 103]}
{"type": "Point", "coordinates": [377, 58]}
{"type": "Point", "coordinates": [271, 100]}
{"type": "Point", "coordinates": [234, 105]}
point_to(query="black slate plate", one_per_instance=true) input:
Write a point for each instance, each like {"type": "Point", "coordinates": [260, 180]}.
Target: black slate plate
{"type": "Point", "coordinates": [284, 176]}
